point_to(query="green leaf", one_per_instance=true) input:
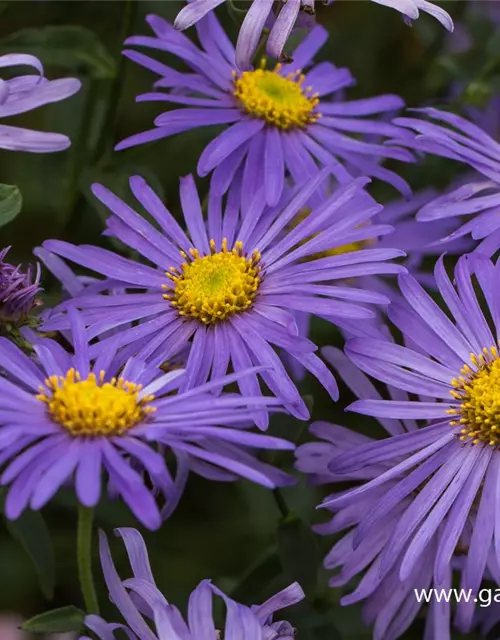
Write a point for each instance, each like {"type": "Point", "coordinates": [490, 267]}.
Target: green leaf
{"type": "Point", "coordinates": [298, 553]}
{"type": "Point", "coordinates": [68, 47]}
{"type": "Point", "coordinates": [236, 14]}
{"type": "Point", "coordinates": [11, 202]}
{"type": "Point", "coordinates": [262, 572]}
{"type": "Point", "coordinates": [32, 532]}
{"type": "Point", "coordinates": [56, 621]}
{"type": "Point", "coordinates": [318, 624]}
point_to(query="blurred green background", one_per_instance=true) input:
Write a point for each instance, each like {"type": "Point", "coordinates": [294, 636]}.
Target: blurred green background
{"type": "Point", "coordinates": [225, 532]}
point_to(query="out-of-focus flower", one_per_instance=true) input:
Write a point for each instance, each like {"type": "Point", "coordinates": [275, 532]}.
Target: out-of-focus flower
{"type": "Point", "coordinates": [288, 120]}
{"type": "Point", "coordinates": [479, 200]}
{"type": "Point", "coordinates": [437, 486]}
{"type": "Point", "coordinates": [231, 285]}
{"type": "Point", "coordinates": [149, 616]}
{"type": "Point", "coordinates": [10, 629]}
{"type": "Point", "coordinates": [286, 14]}
{"type": "Point", "coordinates": [411, 10]}
{"type": "Point", "coordinates": [18, 291]}
{"type": "Point", "coordinates": [398, 229]}
{"type": "Point", "coordinates": [25, 93]}
{"type": "Point", "coordinates": [65, 418]}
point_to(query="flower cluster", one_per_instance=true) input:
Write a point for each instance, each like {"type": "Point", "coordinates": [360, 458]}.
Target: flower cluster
{"type": "Point", "coordinates": [169, 354]}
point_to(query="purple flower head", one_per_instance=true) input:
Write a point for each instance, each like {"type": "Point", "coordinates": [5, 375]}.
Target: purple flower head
{"type": "Point", "coordinates": [149, 616]}
{"type": "Point", "coordinates": [438, 487]}
{"type": "Point", "coordinates": [25, 93]}
{"type": "Point", "coordinates": [67, 418]}
{"type": "Point", "coordinates": [398, 229]}
{"type": "Point", "coordinates": [230, 285]}
{"type": "Point", "coordinates": [370, 520]}
{"type": "Point", "coordinates": [284, 121]}
{"type": "Point", "coordinates": [285, 18]}
{"type": "Point", "coordinates": [478, 200]}
{"type": "Point", "coordinates": [418, 239]}
{"type": "Point", "coordinates": [18, 291]}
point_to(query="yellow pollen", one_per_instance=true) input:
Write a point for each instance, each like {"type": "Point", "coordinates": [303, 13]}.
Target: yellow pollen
{"type": "Point", "coordinates": [478, 391]}
{"type": "Point", "coordinates": [280, 100]}
{"type": "Point", "coordinates": [92, 407]}
{"type": "Point", "coordinates": [213, 287]}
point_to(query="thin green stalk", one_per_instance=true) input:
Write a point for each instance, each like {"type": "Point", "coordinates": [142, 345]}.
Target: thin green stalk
{"type": "Point", "coordinates": [84, 555]}
{"type": "Point", "coordinates": [105, 146]}
{"type": "Point", "coordinates": [281, 503]}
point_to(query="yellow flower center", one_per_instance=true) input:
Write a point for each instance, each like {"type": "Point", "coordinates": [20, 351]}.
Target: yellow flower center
{"type": "Point", "coordinates": [280, 100]}
{"type": "Point", "coordinates": [336, 251]}
{"type": "Point", "coordinates": [92, 407]}
{"type": "Point", "coordinates": [211, 288]}
{"type": "Point", "coordinates": [345, 248]}
{"type": "Point", "coordinates": [478, 390]}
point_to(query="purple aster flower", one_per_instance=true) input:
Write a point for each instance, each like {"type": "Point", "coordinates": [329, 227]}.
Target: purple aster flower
{"type": "Point", "coordinates": [25, 93]}
{"type": "Point", "coordinates": [479, 200]}
{"type": "Point", "coordinates": [287, 120]}
{"type": "Point", "coordinates": [149, 616]}
{"type": "Point", "coordinates": [286, 15]}
{"type": "Point", "coordinates": [65, 418]}
{"type": "Point", "coordinates": [441, 479]}
{"type": "Point", "coordinates": [396, 227]}
{"type": "Point", "coordinates": [18, 291]}
{"type": "Point", "coordinates": [368, 522]}
{"type": "Point", "coordinates": [231, 286]}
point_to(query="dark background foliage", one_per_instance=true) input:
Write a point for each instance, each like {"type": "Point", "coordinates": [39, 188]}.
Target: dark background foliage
{"type": "Point", "coordinates": [239, 535]}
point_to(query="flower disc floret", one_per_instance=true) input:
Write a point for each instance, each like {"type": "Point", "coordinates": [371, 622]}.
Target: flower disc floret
{"type": "Point", "coordinates": [93, 407]}
{"type": "Point", "coordinates": [213, 287]}
{"type": "Point", "coordinates": [478, 390]}
{"type": "Point", "coordinates": [278, 99]}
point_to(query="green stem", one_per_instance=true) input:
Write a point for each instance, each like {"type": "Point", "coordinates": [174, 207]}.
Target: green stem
{"type": "Point", "coordinates": [281, 503]}
{"type": "Point", "coordinates": [84, 555]}
{"type": "Point", "coordinates": [105, 148]}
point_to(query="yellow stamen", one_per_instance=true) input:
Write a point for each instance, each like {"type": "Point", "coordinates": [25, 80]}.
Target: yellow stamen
{"type": "Point", "coordinates": [213, 287]}
{"type": "Point", "coordinates": [278, 99]}
{"type": "Point", "coordinates": [92, 407]}
{"type": "Point", "coordinates": [478, 390]}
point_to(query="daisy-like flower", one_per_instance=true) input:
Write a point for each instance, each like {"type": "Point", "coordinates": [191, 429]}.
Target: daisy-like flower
{"type": "Point", "coordinates": [286, 15]}
{"type": "Point", "coordinates": [230, 285]}
{"type": "Point", "coordinates": [18, 291]}
{"type": "Point", "coordinates": [442, 477]}
{"type": "Point", "coordinates": [65, 418]}
{"type": "Point", "coordinates": [452, 136]}
{"type": "Point", "coordinates": [389, 602]}
{"type": "Point", "coordinates": [149, 616]}
{"type": "Point", "coordinates": [25, 93]}
{"type": "Point", "coordinates": [285, 120]}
